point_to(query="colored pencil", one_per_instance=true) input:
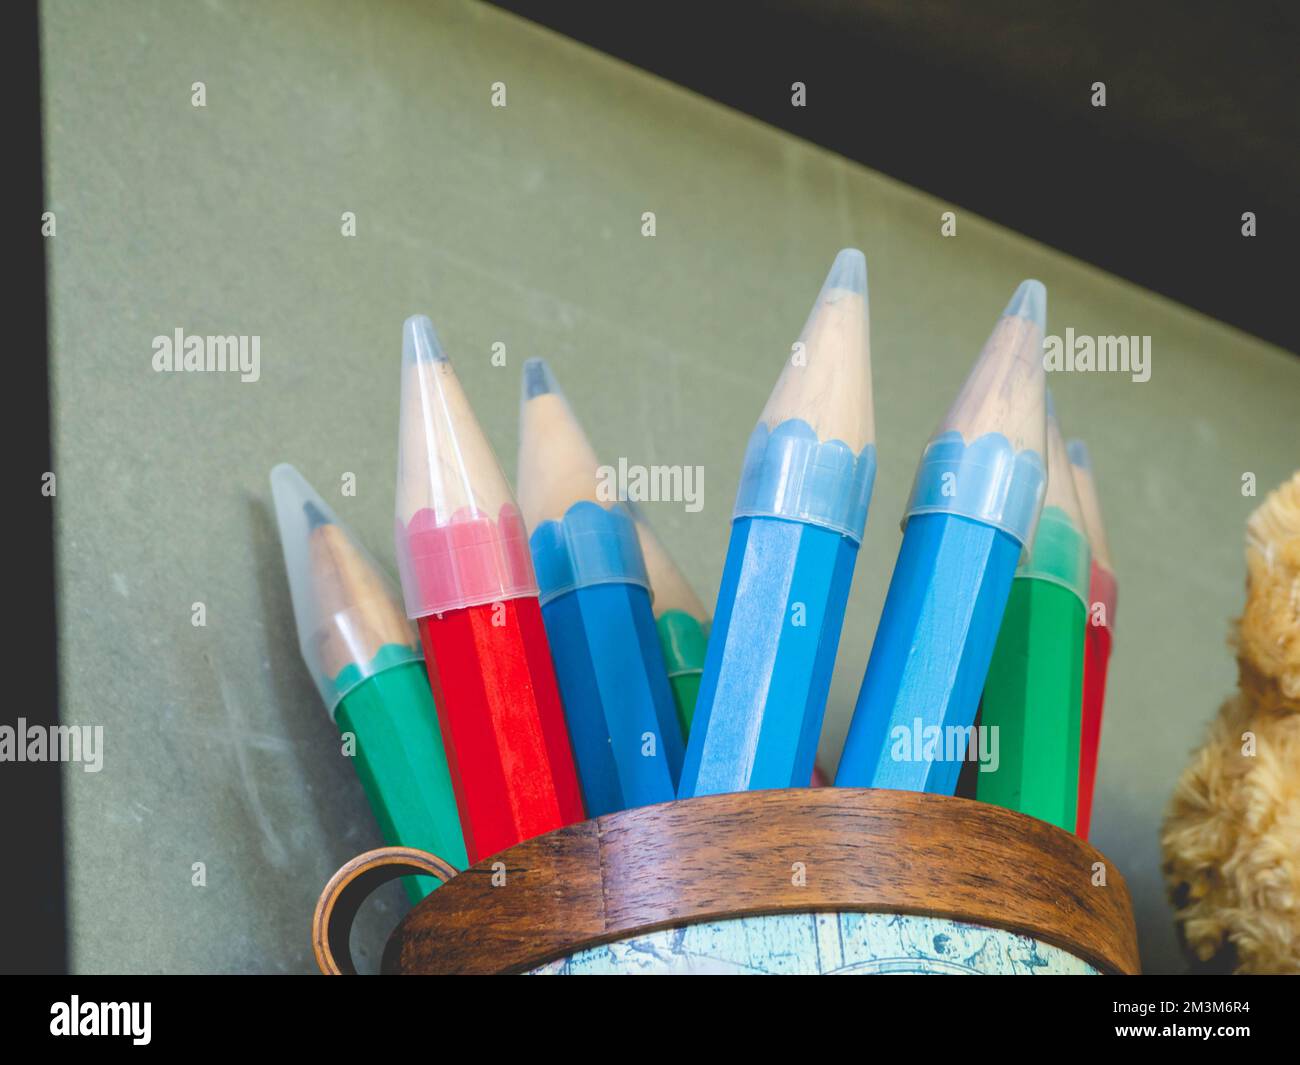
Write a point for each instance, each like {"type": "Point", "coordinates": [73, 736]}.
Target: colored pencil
{"type": "Point", "coordinates": [1034, 692]}
{"type": "Point", "coordinates": [680, 617]}
{"type": "Point", "coordinates": [799, 517]}
{"type": "Point", "coordinates": [595, 598]}
{"type": "Point", "coordinates": [1102, 596]}
{"type": "Point", "coordinates": [462, 554]}
{"type": "Point", "coordinates": [974, 504]}
{"type": "Point", "coordinates": [366, 661]}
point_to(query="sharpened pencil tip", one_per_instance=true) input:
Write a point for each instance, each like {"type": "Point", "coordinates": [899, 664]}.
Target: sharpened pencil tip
{"type": "Point", "coordinates": [1030, 302]}
{"type": "Point", "coordinates": [315, 516]}
{"type": "Point", "coordinates": [420, 341]}
{"type": "Point", "coordinates": [296, 500]}
{"type": "Point", "coordinates": [848, 272]}
{"type": "Point", "coordinates": [1078, 452]}
{"type": "Point", "coordinates": [538, 379]}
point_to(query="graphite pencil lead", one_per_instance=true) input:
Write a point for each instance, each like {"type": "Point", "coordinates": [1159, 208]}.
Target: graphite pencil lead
{"type": "Point", "coordinates": [848, 274]}
{"type": "Point", "coordinates": [1029, 301]}
{"type": "Point", "coordinates": [1079, 454]}
{"type": "Point", "coordinates": [315, 516]}
{"type": "Point", "coordinates": [538, 379]}
{"type": "Point", "coordinates": [420, 340]}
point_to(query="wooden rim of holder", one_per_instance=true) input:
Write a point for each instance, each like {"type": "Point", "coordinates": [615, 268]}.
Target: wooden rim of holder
{"type": "Point", "coordinates": [725, 856]}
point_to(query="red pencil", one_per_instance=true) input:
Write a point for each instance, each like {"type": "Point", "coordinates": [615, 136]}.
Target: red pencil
{"type": "Point", "coordinates": [1101, 624]}
{"type": "Point", "coordinates": [468, 579]}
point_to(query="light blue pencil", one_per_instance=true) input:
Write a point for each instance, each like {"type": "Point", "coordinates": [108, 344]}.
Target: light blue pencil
{"type": "Point", "coordinates": [974, 507]}
{"type": "Point", "coordinates": [799, 517]}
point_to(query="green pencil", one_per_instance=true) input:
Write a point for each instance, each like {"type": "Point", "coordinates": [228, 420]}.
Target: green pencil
{"type": "Point", "coordinates": [366, 661]}
{"type": "Point", "coordinates": [680, 617]}
{"type": "Point", "coordinates": [1033, 695]}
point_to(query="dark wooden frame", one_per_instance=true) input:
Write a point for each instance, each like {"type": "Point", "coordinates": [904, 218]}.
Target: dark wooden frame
{"type": "Point", "coordinates": [739, 855]}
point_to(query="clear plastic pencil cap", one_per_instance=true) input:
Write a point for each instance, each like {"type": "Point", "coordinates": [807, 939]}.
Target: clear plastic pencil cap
{"type": "Point", "coordinates": [826, 381]}
{"type": "Point", "coordinates": [1086, 485]}
{"type": "Point", "coordinates": [812, 456]}
{"type": "Point", "coordinates": [1060, 551]}
{"type": "Point", "coordinates": [1061, 490]}
{"type": "Point", "coordinates": [459, 535]}
{"type": "Point", "coordinates": [349, 618]}
{"type": "Point", "coordinates": [987, 460]}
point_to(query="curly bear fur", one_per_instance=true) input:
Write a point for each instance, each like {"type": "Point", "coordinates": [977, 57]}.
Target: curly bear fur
{"type": "Point", "coordinates": [1231, 837]}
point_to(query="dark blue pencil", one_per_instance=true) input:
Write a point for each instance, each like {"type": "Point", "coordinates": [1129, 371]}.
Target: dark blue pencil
{"type": "Point", "coordinates": [596, 606]}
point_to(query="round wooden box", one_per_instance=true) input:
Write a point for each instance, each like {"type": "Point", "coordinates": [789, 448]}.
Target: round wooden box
{"type": "Point", "coordinates": [808, 880]}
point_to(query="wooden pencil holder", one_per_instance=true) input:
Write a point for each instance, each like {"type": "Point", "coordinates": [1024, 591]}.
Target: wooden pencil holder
{"type": "Point", "coordinates": [805, 880]}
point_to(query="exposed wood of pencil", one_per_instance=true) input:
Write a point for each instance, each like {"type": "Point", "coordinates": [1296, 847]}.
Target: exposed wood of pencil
{"type": "Point", "coordinates": [1061, 491]}
{"type": "Point", "coordinates": [344, 581]}
{"type": "Point", "coordinates": [1086, 489]}
{"type": "Point", "coordinates": [1004, 392]}
{"type": "Point", "coordinates": [667, 582]}
{"type": "Point", "coordinates": [829, 385]}
{"type": "Point", "coordinates": [557, 465]}
{"type": "Point", "coordinates": [725, 856]}
{"type": "Point", "coordinates": [441, 443]}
